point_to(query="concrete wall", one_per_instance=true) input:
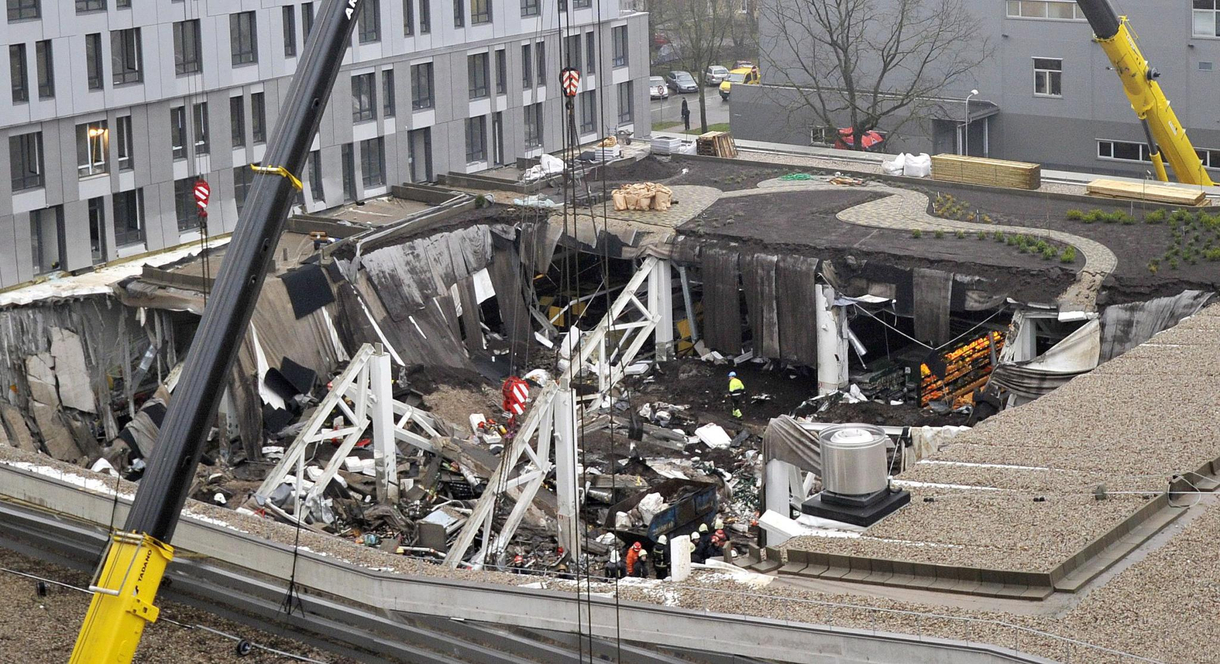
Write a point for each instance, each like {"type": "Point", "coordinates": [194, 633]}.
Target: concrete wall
{"type": "Point", "coordinates": [1057, 132]}
{"type": "Point", "coordinates": [149, 102]}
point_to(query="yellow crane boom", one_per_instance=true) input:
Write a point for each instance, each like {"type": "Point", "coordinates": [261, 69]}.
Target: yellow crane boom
{"type": "Point", "coordinates": [1162, 129]}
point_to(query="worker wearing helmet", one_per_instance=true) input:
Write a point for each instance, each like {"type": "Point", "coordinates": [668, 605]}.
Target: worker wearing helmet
{"type": "Point", "coordinates": [737, 392]}
{"type": "Point", "coordinates": [633, 558]}
{"type": "Point", "coordinates": [660, 557]}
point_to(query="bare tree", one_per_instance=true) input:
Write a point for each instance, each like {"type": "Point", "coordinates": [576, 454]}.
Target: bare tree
{"type": "Point", "coordinates": [868, 62]}
{"type": "Point", "coordinates": [701, 27]}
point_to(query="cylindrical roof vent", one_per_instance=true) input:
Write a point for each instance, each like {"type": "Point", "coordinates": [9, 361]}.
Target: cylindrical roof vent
{"type": "Point", "coordinates": [853, 459]}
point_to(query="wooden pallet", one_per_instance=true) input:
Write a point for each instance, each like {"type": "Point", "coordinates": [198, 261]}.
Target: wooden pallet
{"type": "Point", "coordinates": [1139, 191]}
{"type": "Point", "coordinates": [716, 144]}
{"type": "Point", "coordinates": [989, 172]}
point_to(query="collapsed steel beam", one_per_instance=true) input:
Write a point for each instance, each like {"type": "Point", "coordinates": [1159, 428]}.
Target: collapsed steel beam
{"type": "Point", "coordinates": [616, 340]}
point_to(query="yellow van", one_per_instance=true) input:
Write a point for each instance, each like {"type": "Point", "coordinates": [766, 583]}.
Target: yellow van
{"type": "Point", "coordinates": [742, 75]}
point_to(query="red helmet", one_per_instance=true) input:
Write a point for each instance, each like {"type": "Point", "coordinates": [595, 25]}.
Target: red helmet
{"type": "Point", "coordinates": [637, 546]}
{"type": "Point", "coordinates": [518, 559]}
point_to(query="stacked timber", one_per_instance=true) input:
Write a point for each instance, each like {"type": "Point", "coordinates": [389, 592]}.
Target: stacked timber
{"type": "Point", "coordinates": [989, 172]}
{"type": "Point", "coordinates": [716, 144]}
{"type": "Point", "coordinates": [1141, 191]}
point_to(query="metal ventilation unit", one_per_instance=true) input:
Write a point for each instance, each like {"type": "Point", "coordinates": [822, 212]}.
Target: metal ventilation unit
{"type": "Point", "coordinates": [855, 480]}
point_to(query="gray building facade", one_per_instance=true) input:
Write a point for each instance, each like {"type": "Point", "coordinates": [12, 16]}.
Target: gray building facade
{"type": "Point", "coordinates": [111, 110]}
{"type": "Point", "coordinates": [1046, 94]}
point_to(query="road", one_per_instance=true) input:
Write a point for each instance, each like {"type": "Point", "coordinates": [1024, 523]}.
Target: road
{"type": "Point", "coordinates": [669, 111]}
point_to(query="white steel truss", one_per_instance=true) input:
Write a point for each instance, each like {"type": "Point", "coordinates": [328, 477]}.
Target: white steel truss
{"type": "Point", "coordinates": [362, 395]}
{"type": "Point", "coordinates": [614, 342]}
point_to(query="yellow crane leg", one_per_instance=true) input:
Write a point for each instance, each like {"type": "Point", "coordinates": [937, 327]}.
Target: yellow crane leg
{"type": "Point", "coordinates": [1158, 167]}
{"type": "Point", "coordinates": [123, 593]}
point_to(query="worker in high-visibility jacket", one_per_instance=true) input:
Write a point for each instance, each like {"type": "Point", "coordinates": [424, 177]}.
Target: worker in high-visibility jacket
{"type": "Point", "coordinates": [737, 392]}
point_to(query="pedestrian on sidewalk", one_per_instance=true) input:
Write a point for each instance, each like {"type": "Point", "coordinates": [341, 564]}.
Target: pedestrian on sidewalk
{"type": "Point", "coordinates": [686, 114]}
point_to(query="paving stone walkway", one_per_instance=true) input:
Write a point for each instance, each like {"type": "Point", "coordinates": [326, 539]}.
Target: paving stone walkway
{"type": "Point", "coordinates": [907, 210]}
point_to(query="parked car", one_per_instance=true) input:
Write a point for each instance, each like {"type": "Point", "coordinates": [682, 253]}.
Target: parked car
{"type": "Point", "coordinates": [657, 88]}
{"type": "Point", "coordinates": [715, 75]}
{"type": "Point", "coordinates": [741, 76]}
{"type": "Point", "coordinates": [681, 82]}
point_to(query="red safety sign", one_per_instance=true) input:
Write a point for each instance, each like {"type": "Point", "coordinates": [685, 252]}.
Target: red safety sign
{"type": "Point", "coordinates": [571, 81]}
{"type": "Point", "coordinates": [516, 392]}
{"type": "Point", "coordinates": [202, 192]}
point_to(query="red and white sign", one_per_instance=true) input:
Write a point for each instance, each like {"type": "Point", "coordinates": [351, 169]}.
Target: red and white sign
{"type": "Point", "coordinates": [516, 393]}
{"type": "Point", "coordinates": [571, 81]}
{"type": "Point", "coordinates": [202, 192]}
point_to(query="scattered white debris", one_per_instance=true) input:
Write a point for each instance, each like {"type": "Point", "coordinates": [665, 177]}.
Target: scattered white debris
{"type": "Point", "coordinates": [714, 436]}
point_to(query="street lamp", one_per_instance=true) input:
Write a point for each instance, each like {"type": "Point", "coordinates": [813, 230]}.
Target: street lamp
{"type": "Point", "coordinates": [966, 130]}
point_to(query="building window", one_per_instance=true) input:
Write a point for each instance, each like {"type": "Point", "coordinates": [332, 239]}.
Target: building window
{"type": "Point", "coordinates": [372, 162]}
{"type": "Point", "coordinates": [21, 10]}
{"type": "Point", "coordinates": [425, 16]}
{"type": "Point", "coordinates": [1207, 18]}
{"type": "Point", "coordinates": [349, 173]}
{"type": "Point", "coordinates": [408, 17]}
{"type": "Point", "coordinates": [25, 158]}
{"type": "Point", "coordinates": [531, 7]}
{"type": "Point", "coordinates": [1064, 10]}
{"type": "Point", "coordinates": [122, 4]}
{"type": "Point", "coordinates": [45, 63]}
{"type": "Point", "coordinates": [572, 44]}
{"type": "Point", "coordinates": [501, 72]}
{"type": "Point", "coordinates": [127, 56]}
{"type": "Point", "coordinates": [592, 47]}
{"type": "Point", "coordinates": [19, 73]}
{"type": "Point", "coordinates": [290, 32]}
{"type": "Point", "coordinates": [421, 86]}
{"type": "Point", "coordinates": [184, 204]}
{"type": "Point", "coordinates": [369, 23]}
{"type": "Point", "coordinates": [459, 13]}
{"type": "Point", "coordinates": [258, 117]}
{"type": "Point", "coordinates": [315, 176]}
{"type": "Point", "coordinates": [582, 4]}
{"type": "Point", "coordinates": [243, 38]}
{"type": "Point", "coordinates": [626, 102]}
{"type": "Point", "coordinates": [476, 139]}
{"type": "Point", "coordinates": [237, 121]}
{"type": "Point", "coordinates": [619, 37]}
{"type": "Point", "coordinates": [1210, 158]}
{"type": "Point", "coordinates": [129, 218]}
{"type": "Point", "coordinates": [540, 54]}
{"type": "Point", "coordinates": [1123, 151]}
{"type": "Point", "coordinates": [126, 142]}
{"type": "Point", "coordinates": [476, 66]}
{"type": "Point", "coordinates": [1048, 77]}
{"type": "Point", "coordinates": [199, 116]}
{"type": "Point", "coordinates": [588, 111]}
{"type": "Point", "coordinates": [97, 229]}
{"type": "Point", "coordinates": [188, 58]}
{"type": "Point", "coordinates": [92, 141]}
{"type": "Point", "coordinates": [533, 126]}
{"type": "Point", "coordinates": [93, 60]}
{"type": "Point", "coordinates": [177, 131]}
{"type": "Point", "coordinates": [46, 238]}
{"type": "Point", "coordinates": [480, 11]}
{"type": "Point", "coordinates": [83, 6]}
{"type": "Point", "coordinates": [306, 19]}
{"type": "Point", "coordinates": [527, 70]}
{"type": "Point", "coordinates": [364, 98]}
{"type": "Point", "coordinates": [243, 176]}
{"type": "Point", "coordinates": [387, 93]}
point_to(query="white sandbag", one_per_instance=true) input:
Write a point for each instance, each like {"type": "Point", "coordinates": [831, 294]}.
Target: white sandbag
{"type": "Point", "coordinates": [917, 166]}
{"type": "Point", "coordinates": [895, 166]}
